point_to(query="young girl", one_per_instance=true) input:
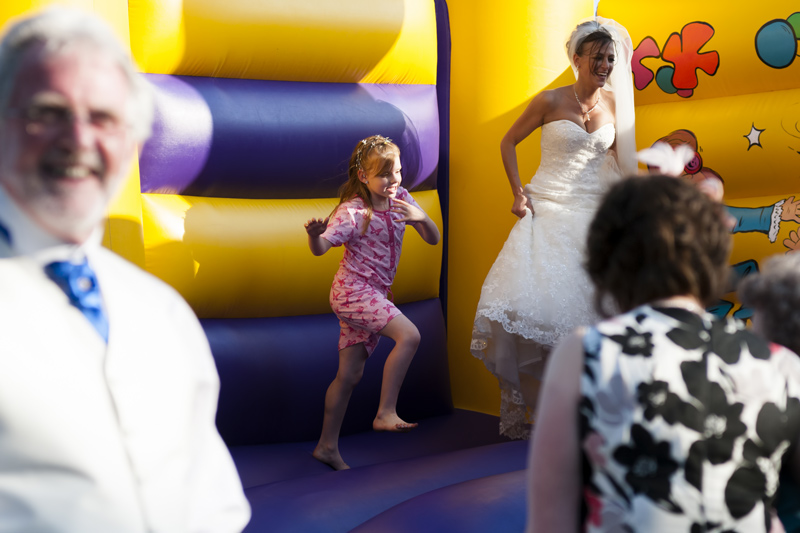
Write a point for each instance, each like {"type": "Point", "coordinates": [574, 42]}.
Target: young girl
{"type": "Point", "coordinates": [370, 221]}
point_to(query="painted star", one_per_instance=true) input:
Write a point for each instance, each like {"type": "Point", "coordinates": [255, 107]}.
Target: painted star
{"type": "Point", "coordinates": [754, 137]}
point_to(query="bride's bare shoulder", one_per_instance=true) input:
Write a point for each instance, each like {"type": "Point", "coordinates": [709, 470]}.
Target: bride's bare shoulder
{"type": "Point", "coordinates": [551, 100]}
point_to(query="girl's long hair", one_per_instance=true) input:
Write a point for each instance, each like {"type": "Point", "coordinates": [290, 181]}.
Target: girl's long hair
{"type": "Point", "coordinates": [374, 154]}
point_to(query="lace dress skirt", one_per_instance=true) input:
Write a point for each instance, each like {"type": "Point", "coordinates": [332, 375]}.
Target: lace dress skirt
{"type": "Point", "coordinates": [535, 293]}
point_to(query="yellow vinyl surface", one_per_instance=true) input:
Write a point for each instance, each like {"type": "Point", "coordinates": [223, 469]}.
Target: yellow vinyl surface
{"type": "Point", "coordinates": [393, 41]}
{"type": "Point", "coordinates": [234, 258]}
{"type": "Point", "coordinates": [123, 231]}
{"type": "Point", "coordinates": [752, 141]}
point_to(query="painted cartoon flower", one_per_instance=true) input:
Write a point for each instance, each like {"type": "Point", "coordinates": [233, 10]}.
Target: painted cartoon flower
{"type": "Point", "coordinates": [634, 342]}
{"type": "Point", "coordinates": [649, 467]}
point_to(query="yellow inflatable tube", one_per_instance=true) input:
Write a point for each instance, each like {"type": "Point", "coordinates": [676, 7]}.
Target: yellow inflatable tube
{"type": "Point", "coordinates": [234, 258]}
{"type": "Point", "coordinates": [354, 41]}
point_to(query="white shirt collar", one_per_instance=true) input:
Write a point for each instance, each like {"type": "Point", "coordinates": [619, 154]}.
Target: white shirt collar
{"type": "Point", "coordinates": [30, 239]}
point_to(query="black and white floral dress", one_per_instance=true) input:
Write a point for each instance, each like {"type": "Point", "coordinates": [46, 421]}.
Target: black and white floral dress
{"type": "Point", "coordinates": [684, 420]}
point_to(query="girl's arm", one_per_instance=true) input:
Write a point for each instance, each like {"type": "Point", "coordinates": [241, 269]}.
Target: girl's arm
{"type": "Point", "coordinates": [531, 118]}
{"type": "Point", "coordinates": [418, 218]}
{"type": "Point", "coordinates": [315, 228]}
{"type": "Point", "coordinates": [554, 460]}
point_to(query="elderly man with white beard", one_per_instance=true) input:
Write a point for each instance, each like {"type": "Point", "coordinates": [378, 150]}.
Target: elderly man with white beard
{"type": "Point", "coordinates": [108, 390]}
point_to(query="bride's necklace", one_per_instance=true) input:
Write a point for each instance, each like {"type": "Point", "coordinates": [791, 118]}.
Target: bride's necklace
{"type": "Point", "coordinates": [585, 114]}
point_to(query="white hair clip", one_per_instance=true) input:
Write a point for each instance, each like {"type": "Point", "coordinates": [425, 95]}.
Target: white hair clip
{"type": "Point", "coordinates": [666, 159]}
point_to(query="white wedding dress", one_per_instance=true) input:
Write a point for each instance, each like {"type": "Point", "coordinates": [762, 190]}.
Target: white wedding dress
{"type": "Point", "coordinates": [537, 291]}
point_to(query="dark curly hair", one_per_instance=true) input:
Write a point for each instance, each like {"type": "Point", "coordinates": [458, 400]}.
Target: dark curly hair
{"type": "Point", "coordinates": [655, 237]}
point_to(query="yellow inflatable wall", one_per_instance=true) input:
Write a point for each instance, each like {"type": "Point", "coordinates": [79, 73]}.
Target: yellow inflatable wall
{"type": "Point", "coordinates": [730, 77]}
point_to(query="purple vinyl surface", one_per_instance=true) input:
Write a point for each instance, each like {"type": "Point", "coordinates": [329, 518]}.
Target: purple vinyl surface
{"type": "Point", "coordinates": [263, 361]}
{"type": "Point", "coordinates": [232, 138]}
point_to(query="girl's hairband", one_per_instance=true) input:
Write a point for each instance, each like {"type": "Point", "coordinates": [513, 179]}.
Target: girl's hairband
{"type": "Point", "coordinates": [365, 146]}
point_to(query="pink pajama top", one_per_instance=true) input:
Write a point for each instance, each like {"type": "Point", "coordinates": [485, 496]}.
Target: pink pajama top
{"type": "Point", "coordinates": [373, 256]}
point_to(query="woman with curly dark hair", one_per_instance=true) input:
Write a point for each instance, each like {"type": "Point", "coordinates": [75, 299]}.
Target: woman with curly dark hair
{"type": "Point", "coordinates": [680, 419]}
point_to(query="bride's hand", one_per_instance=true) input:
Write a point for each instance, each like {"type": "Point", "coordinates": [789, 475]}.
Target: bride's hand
{"type": "Point", "coordinates": [520, 203]}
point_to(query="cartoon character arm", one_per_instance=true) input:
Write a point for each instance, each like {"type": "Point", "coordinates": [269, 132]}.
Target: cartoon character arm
{"type": "Point", "coordinates": [765, 219]}
{"type": "Point", "coordinates": [793, 242]}
{"type": "Point", "coordinates": [790, 210]}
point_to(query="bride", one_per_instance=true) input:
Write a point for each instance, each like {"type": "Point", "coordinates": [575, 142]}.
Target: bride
{"type": "Point", "coordinates": [537, 292]}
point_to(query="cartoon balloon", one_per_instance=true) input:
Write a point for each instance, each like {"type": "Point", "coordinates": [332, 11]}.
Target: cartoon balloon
{"type": "Point", "coordinates": [776, 42]}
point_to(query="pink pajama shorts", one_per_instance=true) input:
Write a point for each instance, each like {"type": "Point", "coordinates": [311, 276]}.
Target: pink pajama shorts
{"type": "Point", "coordinates": [362, 309]}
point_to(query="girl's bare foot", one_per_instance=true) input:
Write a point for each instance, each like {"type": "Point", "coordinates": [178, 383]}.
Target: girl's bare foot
{"type": "Point", "coordinates": [392, 423]}
{"type": "Point", "coordinates": [330, 457]}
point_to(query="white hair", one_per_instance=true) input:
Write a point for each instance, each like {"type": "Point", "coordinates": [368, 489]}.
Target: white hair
{"type": "Point", "coordinates": [775, 294]}
{"type": "Point", "coordinates": [56, 28]}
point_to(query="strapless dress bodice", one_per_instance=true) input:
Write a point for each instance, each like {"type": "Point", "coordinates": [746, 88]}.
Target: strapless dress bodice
{"type": "Point", "coordinates": [575, 164]}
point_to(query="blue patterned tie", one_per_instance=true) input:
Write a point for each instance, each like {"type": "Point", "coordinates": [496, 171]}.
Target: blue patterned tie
{"type": "Point", "coordinates": [79, 282]}
{"type": "Point", "coordinates": [4, 234]}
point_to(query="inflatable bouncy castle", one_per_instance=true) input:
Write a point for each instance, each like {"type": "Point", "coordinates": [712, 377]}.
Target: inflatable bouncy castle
{"type": "Point", "coordinates": [258, 106]}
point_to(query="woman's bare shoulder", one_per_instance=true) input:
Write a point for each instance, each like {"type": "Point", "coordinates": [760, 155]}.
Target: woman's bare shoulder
{"type": "Point", "coordinates": [556, 94]}
{"type": "Point", "coordinates": [550, 100]}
